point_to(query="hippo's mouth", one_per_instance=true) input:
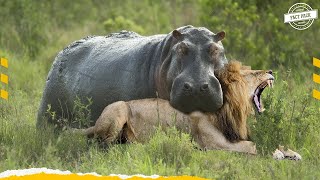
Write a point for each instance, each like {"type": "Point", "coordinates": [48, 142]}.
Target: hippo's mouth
{"type": "Point", "coordinates": [257, 94]}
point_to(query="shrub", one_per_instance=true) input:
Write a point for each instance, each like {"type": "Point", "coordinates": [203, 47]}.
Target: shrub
{"type": "Point", "coordinates": [120, 23]}
{"type": "Point", "coordinates": [289, 114]}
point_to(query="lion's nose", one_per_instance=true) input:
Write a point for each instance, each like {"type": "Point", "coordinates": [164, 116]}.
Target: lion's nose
{"type": "Point", "coordinates": [269, 71]}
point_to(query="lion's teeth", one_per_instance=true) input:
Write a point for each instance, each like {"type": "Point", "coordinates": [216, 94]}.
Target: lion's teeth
{"type": "Point", "coordinates": [269, 83]}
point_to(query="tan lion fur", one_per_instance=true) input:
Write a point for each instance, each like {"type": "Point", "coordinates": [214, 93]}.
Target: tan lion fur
{"type": "Point", "coordinates": [226, 129]}
{"type": "Point", "coordinates": [237, 107]}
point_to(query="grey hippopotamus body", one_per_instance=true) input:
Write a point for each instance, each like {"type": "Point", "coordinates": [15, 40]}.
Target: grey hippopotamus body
{"type": "Point", "coordinates": [178, 67]}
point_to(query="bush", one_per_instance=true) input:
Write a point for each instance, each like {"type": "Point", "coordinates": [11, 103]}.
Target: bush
{"type": "Point", "coordinates": [289, 114]}
{"type": "Point", "coordinates": [29, 22]}
{"type": "Point", "coordinates": [120, 23]}
{"type": "Point", "coordinates": [257, 35]}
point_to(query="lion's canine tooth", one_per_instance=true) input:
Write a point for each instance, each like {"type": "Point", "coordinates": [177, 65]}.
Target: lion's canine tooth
{"type": "Point", "coordinates": [269, 83]}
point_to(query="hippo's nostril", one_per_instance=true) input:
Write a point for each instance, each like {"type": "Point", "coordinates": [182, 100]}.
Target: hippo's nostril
{"type": "Point", "coordinates": [187, 86]}
{"type": "Point", "coordinates": [269, 72]}
{"type": "Point", "coordinates": [204, 87]}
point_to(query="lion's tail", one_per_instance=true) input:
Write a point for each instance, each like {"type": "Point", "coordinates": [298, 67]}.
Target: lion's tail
{"type": "Point", "coordinates": [89, 132]}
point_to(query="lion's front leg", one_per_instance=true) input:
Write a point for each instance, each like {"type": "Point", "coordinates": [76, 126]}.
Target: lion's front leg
{"type": "Point", "coordinates": [209, 137]}
{"type": "Point", "coordinates": [243, 146]}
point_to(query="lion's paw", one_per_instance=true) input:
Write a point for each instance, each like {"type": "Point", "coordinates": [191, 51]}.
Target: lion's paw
{"type": "Point", "coordinates": [250, 147]}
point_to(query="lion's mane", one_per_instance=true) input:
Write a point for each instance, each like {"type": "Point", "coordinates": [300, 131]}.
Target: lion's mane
{"type": "Point", "coordinates": [232, 116]}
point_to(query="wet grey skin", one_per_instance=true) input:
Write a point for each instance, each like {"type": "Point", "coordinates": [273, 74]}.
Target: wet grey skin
{"type": "Point", "coordinates": [178, 67]}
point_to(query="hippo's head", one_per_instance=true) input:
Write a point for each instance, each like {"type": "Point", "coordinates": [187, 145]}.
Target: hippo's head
{"type": "Point", "coordinates": [194, 56]}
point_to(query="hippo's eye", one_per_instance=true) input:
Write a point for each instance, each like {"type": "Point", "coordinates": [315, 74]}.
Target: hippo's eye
{"type": "Point", "coordinates": [214, 50]}
{"type": "Point", "coordinates": [182, 49]}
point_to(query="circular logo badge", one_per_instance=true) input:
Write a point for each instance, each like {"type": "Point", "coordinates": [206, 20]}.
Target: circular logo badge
{"type": "Point", "coordinates": [300, 16]}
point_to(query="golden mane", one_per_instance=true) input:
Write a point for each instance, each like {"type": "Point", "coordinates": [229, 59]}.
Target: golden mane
{"type": "Point", "coordinates": [231, 117]}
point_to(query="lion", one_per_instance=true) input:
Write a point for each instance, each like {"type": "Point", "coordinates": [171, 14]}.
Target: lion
{"type": "Point", "coordinates": [136, 120]}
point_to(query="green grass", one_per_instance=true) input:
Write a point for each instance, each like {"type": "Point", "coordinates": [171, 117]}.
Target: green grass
{"type": "Point", "coordinates": [291, 119]}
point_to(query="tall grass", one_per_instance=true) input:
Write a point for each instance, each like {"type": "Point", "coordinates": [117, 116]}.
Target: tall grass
{"type": "Point", "coordinates": [291, 117]}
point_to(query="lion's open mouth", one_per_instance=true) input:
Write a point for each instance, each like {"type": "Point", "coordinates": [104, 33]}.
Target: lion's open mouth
{"type": "Point", "coordinates": [257, 94]}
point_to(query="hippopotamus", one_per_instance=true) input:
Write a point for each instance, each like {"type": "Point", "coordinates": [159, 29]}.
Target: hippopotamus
{"type": "Point", "coordinates": [178, 67]}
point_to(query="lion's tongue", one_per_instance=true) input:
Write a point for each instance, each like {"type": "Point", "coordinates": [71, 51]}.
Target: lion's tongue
{"type": "Point", "coordinates": [257, 103]}
{"type": "Point", "coordinates": [257, 100]}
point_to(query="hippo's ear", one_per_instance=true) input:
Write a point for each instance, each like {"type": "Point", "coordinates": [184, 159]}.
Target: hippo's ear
{"type": "Point", "coordinates": [177, 35]}
{"type": "Point", "coordinates": [219, 36]}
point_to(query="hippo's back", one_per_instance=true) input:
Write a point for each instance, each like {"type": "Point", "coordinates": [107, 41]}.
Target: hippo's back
{"type": "Point", "coordinates": [103, 69]}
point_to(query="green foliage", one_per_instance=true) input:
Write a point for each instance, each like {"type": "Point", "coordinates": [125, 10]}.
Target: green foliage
{"type": "Point", "coordinates": [287, 120]}
{"type": "Point", "coordinates": [81, 113]}
{"type": "Point", "coordinates": [164, 147]}
{"type": "Point", "coordinates": [33, 32]}
{"type": "Point", "coordinates": [28, 23]}
{"type": "Point", "coordinates": [65, 14]}
{"type": "Point", "coordinates": [31, 25]}
{"type": "Point", "coordinates": [257, 35]}
{"type": "Point", "coordinates": [148, 15]}
{"type": "Point", "coordinates": [79, 117]}
{"type": "Point", "coordinates": [120, 23]}
{"type": "Point", "coordinates": [67, 150]}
